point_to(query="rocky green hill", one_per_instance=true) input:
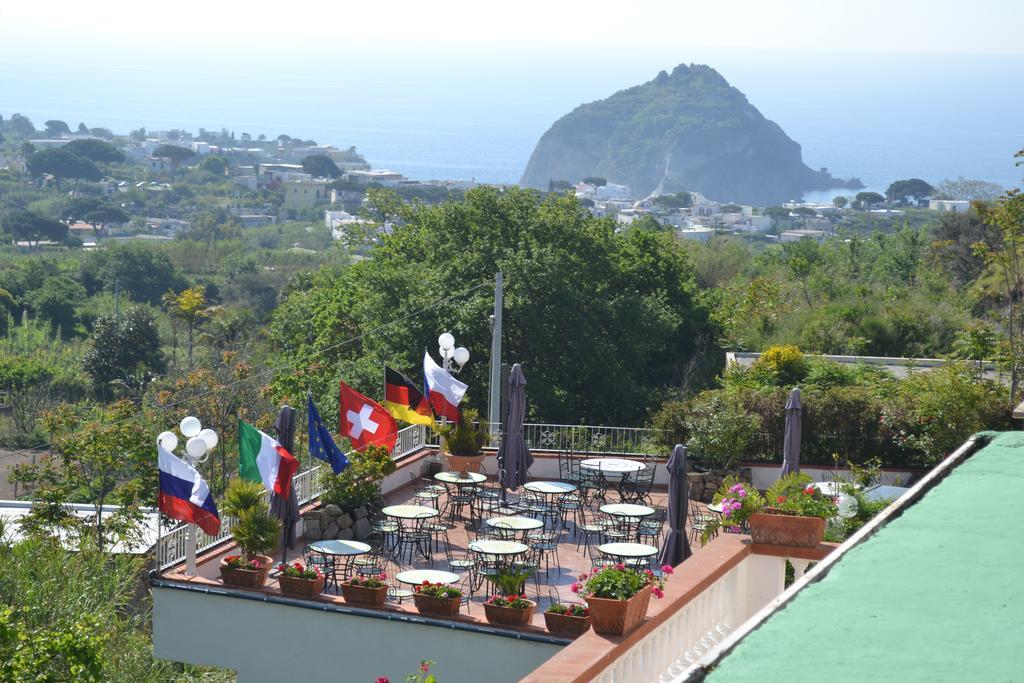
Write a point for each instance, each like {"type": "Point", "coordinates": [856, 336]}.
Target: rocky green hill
{"type": "Point", "coordinates": [688, 130]}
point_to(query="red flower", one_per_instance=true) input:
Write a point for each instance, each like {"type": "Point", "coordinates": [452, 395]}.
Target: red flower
{"type": "Point", "coordinates": [780, 499]}
{"type": "Point", "coordinates": [382, 679]}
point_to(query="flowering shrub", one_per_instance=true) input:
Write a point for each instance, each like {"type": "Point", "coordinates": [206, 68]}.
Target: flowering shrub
{"type": "Point", "coordinates": [616, 582]}
{"type": "Point", "coordinates": [739, 500]}
{"type": "Point", "coordinates": [438, 590]}
{"type": "Point", "coordinates": [796, 494]}
{"type": "Point", "coordinates": [369, 582]}
{"type": "Point", "coordinates": [518, 602]}
{"type": "Point", "coordinates": [421, 676]}
{"type": "Point", "coordinates": [239, 562]}
{"type": "Point", "coordinates": [572, 610]}
{"type": "Point", "coordinates": [295, 570]}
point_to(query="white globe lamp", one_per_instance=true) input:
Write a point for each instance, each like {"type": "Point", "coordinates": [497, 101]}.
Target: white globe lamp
{"type": "Point", "coordinates": [461, 355]}
{"type": "Point", "coordinates": [210, 438]}
{"type": "Point", "coordinates": [168, 441]}
{"type": "Point", "coordinates": [190, 426]}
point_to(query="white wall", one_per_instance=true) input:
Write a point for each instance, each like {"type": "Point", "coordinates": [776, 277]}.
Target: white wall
{"type": "Point", "coordinates": [267, 641]}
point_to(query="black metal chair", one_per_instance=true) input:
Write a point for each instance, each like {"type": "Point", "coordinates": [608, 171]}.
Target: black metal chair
{"type": "Point", "coordinates": [637, 487]}
{"type": "Point", "coordinates": [699, 521]}
{"type": "Point", "coordinates": [650, 528]}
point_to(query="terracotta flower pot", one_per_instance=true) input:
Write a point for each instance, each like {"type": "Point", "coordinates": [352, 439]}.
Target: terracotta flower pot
{"type": "Point", "coordinates": [618, 617]}
{"type": "Point", "coordinates": [779, 529]}
{"type": "Point", "coordinates": [300, 588]}
{"type": "Point", "coordinates": [566, 624]}
{"type": "Point", "coordinates": [429, 606]}
{"type": "Point", "coordinates": [246, 578]}
{"type": "Point", "coordinates": [361, 595]}
{"type": "Point", "coordinates": [459, 463]}
{"type": "Point", "coordinates": [509, 616]}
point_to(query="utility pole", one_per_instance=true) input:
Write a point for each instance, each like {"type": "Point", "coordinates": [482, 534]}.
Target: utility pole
{"type": "Point", "coordinates": [494, 400]}
{"type": "Point", "coordinates": [117, 297]}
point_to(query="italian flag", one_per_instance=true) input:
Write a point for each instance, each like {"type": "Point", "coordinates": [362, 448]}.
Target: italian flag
{"type": "Point", "coordinates": [262, 459]}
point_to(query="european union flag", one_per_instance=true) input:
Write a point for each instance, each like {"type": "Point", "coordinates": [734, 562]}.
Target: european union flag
{"type": "Point", "coordinates": [321, 445]}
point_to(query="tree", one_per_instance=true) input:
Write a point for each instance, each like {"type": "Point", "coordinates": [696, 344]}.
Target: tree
{"type": "Point", "coordinates": [802, 257]}
{"type": "Point", "coordinates": [965, 189]}
{"type": "Point", "coordinates": [677, 200]}
{"type": "Point", "coordinates": [1007, 261]}
{"type": "Point", "coordinates": [321, 166]}
{"type": "Point", "coordinates": [138, 135]}
{"type": "Point", "coordinates": [55, 302]}
{"type": "Point", "coordinates": [62, 164]}
{"type": "Point", "coordinates": [56, 128]}
{"type": "Point", "coordinates": [383, 205]}
{"type": "Point", "coordinates": [20, 126]}
{"type": "Point", "coordinates": [174, 154]}
{"type": "Point", "coordinates": [32, 228]}
{"type": "Point", "coordinates": [560, 186]}
{"type": "Point", "coordinates": [124, 349]}
{"type": "Point", "coordinates": [840, 202]}
{"type": "Point", "coordinates": [868, 200]}
{"type": "Point", "coordinates": [596, 181]}
{"type": "Point", "coordinates": [732, 208]}
{"type": "Point", "coordinates": [638, 299]}
{"type": "Point", "coordinates": [82, 129]}
{"type": "Point", "coordinates": [956, 237]}
{"type": "Point", "coordinates": [144, 272]}
{"type": "Point", "coordinates": [903, 192]}
{"type": "Point", "coordinates": [105, 133]}
{"type": "Point", "coordinates": [190, 308]}
{"type": "Point", "coordinates": [97, 151]}
{"type": "Point", "coordinates": [215, 165]}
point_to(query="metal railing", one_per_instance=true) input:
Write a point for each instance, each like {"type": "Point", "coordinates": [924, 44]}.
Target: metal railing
{"type": "Point", "coordinates": [308, 486]}
{"type": "Point", "coordinates": [591, 439]}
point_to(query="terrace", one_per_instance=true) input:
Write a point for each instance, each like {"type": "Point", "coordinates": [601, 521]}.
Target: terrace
{"type": "Point", "coordinates": [197, 619]}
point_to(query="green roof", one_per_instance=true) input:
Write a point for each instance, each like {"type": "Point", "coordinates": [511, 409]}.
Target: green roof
{"type": "Point", "coordinates": [936, 594]}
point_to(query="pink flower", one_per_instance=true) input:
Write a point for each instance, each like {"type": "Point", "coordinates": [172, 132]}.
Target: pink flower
{"type": "Point", "coordinates": [658, 593]}
{"type": "Point", "coordinates": [666, 569]}
{"type": "Point", "coordinates": [575, 587]}
{"type": "Point", "coordinates": [620, 566]}
{"type": "Point", "coordinates": [424, 667]}
{"type": "Point", "coordinates": [382, 679]}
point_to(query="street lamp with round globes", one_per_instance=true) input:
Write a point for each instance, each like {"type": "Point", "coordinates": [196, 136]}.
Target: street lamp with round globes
{"type": "Point", "coordinates": [449, 354]}
{"type": "Point", "coordinates": [461, 356]}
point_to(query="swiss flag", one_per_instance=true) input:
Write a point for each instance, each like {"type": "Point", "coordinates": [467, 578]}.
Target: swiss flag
{"type": "Point", "coordinates": [364, 421]}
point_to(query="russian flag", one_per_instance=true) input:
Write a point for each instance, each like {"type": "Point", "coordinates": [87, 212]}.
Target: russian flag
{"type": "Point", "coordinates": [444, 392]}
{"type": "Point", "coordinates": [184, 495]}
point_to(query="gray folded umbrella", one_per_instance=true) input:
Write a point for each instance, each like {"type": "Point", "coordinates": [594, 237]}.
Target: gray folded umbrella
{"type": "Point", "coordinates": [791, 442]}
{"type": "Point", "coordinates": [514, 457]}
{"type": "Point", "coordinates": [677, 546]}
{"type": "Point", "coordinates": [286, 510]}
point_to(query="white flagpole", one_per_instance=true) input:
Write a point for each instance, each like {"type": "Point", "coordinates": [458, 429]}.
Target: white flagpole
{"type": "Point", "coordinates": [190, 551]}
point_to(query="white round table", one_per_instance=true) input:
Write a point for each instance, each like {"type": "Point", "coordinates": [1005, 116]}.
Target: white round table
{"type": "Point", "coordinates": [715, 507]}
{"type": "Point", "coordinates": [627, 510]}
{"type": "Point", "coordinates": [410, 511]}
{"type": "Point", "coordinates": [455, 478]}
{"type": "Point", "coordinates": [340, 548]}
{"type": "Point", "coordinates": [628, 550]}
{"type": "Point", "coordinates": [613, 465]}
{"type": "Point", "coordinates": [550, 488]}
{"type": "Point", "coordinates": [514, 523]}
{"type": "Point", "coordinates": [488, 547]}
{"type": "Point", "coordinates": [416, 577]}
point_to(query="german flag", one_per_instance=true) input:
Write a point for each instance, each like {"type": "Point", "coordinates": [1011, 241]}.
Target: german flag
{"type": "Point", "coordinates": [404, 400]}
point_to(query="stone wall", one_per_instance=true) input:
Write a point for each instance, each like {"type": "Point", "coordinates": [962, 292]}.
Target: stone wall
{"type": "Point", "coordinates": [331, 521]}
{"type": "Point", "coordinates": [702, 485]}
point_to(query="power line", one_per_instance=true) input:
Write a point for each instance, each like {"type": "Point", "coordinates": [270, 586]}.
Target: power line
{"type": "Point", "coordinates": [270, 371]}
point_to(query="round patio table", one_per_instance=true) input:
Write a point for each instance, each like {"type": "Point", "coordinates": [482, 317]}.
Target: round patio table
{"type": "Point", "coordinates": [627, 510]}
{"type": "Point", "coordinates": [613, 465]}
{"type": "Point", "coordinates": [715, 507]}
{"type": "Point", "coordinates": [550, 488]}
{"type": "Point", "coordinates": [410, 511]}
{"type": "Point", "coordinates": [498, 547]}
{"type": "Point", "coordinates": [340, 548]}
{"type": "Point", "coordinates": [629, 551]}
{"type": "Point", "coordinates": [515, 524]}
{"type": "Point", "coordinates": [455, 478]}
{"type": "Point", "coordinates": [416, 577]}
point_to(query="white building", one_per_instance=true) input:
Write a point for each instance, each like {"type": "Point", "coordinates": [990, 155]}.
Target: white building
{"type": "Point", "coordinates": [381, 177]}
{"type": "Point", "coordinates": [949, 205]}
{"type": "Point", "coordinates": [797, 235]}
{"type": "Point", "coordinates": [699, 234]}
{"type": "Point", "coordinates": [612, 191]}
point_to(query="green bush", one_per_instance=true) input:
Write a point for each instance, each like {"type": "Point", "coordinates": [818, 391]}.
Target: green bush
{"type": "Point", "coordinates": [719, 430]}
{"type": "Point", "coordinates": [465, 437]}
{"type": "Point", "coordinates": [359, 483]}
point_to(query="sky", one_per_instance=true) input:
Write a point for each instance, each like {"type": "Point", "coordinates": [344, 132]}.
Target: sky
{"type": "Point", "coordinates": [402, 29]}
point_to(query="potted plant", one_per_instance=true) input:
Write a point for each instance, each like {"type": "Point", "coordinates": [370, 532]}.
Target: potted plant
{"type": "Point", "coordinates": [463, 442]}
{"type": "Point", "coordinates": [437, 599]}
{"type": "Point", "coordinates": [738, 500]}
{"type": "Point", "coordinates": [255, 532]}
{"type": "Point", "coordinates": [794, 515]}
{"type": "Point", "coordinates": [370, 591]}
{"type": "Point", "coordinates": [618, 596]}
{"type": "Point", "coordinates": [570, 620]}
{"type": "Point", "coordinates": [300, 581]}
{"type": "Point", "coordinates": [509, 610]}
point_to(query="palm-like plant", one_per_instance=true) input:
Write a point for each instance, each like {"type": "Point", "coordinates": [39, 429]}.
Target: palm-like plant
{"type": "Point", "coordinates": [255, 531]}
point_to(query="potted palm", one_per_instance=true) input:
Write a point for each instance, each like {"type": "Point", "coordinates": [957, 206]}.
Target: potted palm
{"type": "Point", "coordinates": [618, 596]}
{"type": "Point", "coordinates": [300, 581]}
{"type": "Point", "coordinates": [794, 515]}
{"type": "Point", "coordinates": [370, 591]}
{"type": "Point", "coordinates": [509, 607]}
{"type": "Point", "coordinates": [255, 532]}
{"type": "Point", "coordinates": [463, 442]}
{"type": "Point", "coordinates": [570, 620]}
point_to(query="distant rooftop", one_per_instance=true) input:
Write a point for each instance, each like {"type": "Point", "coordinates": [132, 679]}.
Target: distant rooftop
{"type": "Point", "coordinates": [934, 594]}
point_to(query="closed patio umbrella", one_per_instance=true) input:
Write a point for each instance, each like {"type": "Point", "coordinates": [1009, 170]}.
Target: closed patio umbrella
{"type": "Point", "coordinates": [791, 443]}
{"type": "Point", "coordinates": [286, 510]}
{"type": "Point", "coordinates": [514, 457]}
{"type": "Point", "coordinates": [677, 546]}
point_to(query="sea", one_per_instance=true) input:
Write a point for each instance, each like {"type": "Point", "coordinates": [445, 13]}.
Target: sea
{"type": "Point", "coordinates": [478, 116]}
